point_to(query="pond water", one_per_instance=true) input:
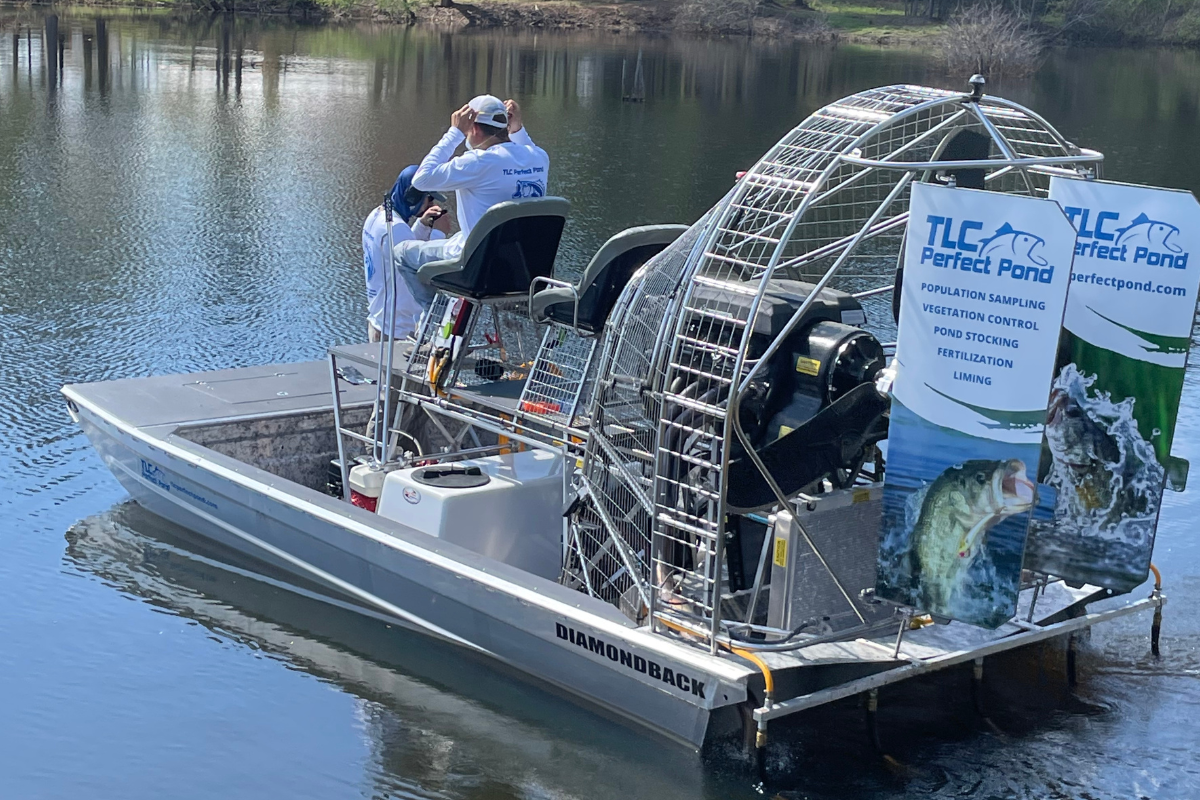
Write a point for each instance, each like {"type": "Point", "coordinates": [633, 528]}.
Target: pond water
{"type": "Point", "coordinates": [187, 194]}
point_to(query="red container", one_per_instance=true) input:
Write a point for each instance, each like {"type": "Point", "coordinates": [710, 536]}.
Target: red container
{"type": "Point", "coordinates": [362, 501]}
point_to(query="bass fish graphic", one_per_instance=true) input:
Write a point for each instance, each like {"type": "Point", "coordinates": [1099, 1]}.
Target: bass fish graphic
{"type": "Point", "coordinates": [1149, 233]}
{"type": "Point", "coordinates": [1018, 246]}
{"type": "Point", "coordinates": [962, 505]}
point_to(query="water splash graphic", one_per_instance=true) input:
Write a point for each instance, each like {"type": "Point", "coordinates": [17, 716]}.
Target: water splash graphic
{"type": "Point", "coordinates": [1107, 481]}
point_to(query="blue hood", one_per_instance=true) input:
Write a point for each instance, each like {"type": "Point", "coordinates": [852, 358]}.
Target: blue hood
{"type": "Point", "coordinates": [403, 183]}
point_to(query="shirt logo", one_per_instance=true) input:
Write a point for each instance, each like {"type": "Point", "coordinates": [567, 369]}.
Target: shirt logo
{"type": "Point", "coordinates": [529, 189]}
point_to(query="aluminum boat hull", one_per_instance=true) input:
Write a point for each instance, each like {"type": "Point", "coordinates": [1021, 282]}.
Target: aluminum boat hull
{"type": "Point", "coordinates": [534, 626]}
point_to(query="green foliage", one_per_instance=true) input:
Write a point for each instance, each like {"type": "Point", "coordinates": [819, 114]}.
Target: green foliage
{"type": "Point", "coordinates": [336, 5]}
{"type": "Point", "coordinates": [398, 8]}
{"type": "Point", "coordinates": [1114, 21]}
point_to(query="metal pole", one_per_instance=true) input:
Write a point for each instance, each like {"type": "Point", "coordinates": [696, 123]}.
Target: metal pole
{"type": "Point", "coordinates": [337, 427]}
{"type": "Point", "coordinates": [1037, 589]}
{"type": "Point", "coordinates": [759, 573]}
{"type": "Point", "coordinates": [385, 340]}
{"type": "Point", "coordinates": [904, 623]}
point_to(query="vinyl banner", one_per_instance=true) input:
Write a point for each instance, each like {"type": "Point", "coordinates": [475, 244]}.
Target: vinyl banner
{"type": "Point", "coordinates": [985, 282]}
{"type": "Point", "coordinates": [1118, 380]}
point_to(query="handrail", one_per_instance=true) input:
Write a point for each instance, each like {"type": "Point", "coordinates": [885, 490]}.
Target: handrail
{"type": "Point", "coordinates": [1086, 157]}
{"type": "Point", "coordinates": [556, 284]}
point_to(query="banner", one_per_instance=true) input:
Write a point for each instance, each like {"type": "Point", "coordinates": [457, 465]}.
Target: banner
{"type": "Point", "coordinates": [985, 283]}
{"type": "Point", "coordinates": [1118, 379]}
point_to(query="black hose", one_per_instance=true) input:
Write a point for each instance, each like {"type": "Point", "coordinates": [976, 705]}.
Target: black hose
{"type": "Point", "coordinates": [1072, 669]}
{"type": "Point", "coordinates": [1155, 631]}
{"type": "Point", "coordinates": [796, 632]}
{"type": "Point", "coordinates": [873, 720]}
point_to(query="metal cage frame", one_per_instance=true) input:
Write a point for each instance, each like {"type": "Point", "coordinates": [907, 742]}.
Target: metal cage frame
{"type": "Point", "coordinates": [827, 204]}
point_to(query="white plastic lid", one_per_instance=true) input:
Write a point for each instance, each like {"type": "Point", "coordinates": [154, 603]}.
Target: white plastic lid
{"type": "Point", "coordinates": [367, 481]}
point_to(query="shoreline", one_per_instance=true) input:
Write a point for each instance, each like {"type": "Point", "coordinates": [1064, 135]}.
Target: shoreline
{"type": "Point", "coordinates": [776, 23]}
{"type": "Point", "coordinates": [881, 23]}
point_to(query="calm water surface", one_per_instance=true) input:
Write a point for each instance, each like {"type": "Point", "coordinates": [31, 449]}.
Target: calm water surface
{"type": "Point", "coordinates": [180, 196]}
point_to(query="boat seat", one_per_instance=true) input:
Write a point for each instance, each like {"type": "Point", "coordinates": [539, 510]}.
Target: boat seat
{"type": "Point", "coordinates": [513, 243]}
{"type": "Point", "coordinates": [586, 305]}
{"type": "Point", "coordinates": [559, 381]}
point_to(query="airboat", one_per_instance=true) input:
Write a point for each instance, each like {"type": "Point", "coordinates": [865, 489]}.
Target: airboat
{"type": "Point", "coordinates": [658, 487]}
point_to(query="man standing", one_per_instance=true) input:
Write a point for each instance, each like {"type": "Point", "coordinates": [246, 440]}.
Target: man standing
{"type": "Point", "coordinates": [416, 218]}
{"type": "Point", "coordinates": [501, 163]}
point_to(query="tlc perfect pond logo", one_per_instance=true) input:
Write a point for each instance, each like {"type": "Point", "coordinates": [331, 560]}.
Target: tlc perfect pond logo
{"type": "Point", "coordinates": [1006, 253]}
{"type": "Point", "coordinates": [1140, 240]}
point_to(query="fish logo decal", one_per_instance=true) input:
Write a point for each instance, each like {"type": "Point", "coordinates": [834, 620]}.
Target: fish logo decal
{"type": "Point", "coordinates": [529, 189]}
{"type": "Point", "coordinates": [1007, 242]}
{"type": "Point", "coordinates": [1150, 233]}
{"type": "Point", "coordinates": [152, 473]}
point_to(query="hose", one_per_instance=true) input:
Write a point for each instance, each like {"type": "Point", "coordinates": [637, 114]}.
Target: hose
{"type": "Point", "coordinates": [438, 360]}
{"type": "Point", "coordinates": [1156, 624]}
{"type": "Point", "coordinates": [791, 635]}
{"type": "Point", "coordinates": [760, 738]}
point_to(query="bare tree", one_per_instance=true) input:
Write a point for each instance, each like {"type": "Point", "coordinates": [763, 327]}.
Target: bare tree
{"type": "Point", "coordinates": [1082, 13]}
{"type": "Point", "coordinates": [991, 40]}
{"type": "Point", "coordinates": [718, 16]}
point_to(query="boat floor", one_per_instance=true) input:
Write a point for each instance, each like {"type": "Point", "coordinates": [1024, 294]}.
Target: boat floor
{"type": "Point", "coordinates": [172, 401]}
{"type": "Point", "coordinates": [160, 405]}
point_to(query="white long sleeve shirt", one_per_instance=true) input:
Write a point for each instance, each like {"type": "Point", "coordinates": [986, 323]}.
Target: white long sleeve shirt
{"type": "Point", "coordinates": [482, 178]}
{"type": "Point", "coordinates": [376, 258]}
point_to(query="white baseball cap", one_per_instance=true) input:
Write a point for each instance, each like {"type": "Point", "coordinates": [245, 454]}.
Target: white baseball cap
{"type": "Point", "coordinates": [489, 110]}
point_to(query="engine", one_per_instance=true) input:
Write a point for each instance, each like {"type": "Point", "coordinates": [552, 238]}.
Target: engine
{"type": "Point", "coordinates": [812, 414]}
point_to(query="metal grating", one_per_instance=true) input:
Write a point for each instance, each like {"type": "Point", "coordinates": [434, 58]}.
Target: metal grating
{"type": "Point", "coordinates": [610, 532]}
{"type": "Point", "coordinates": [502, 346]}
{"type": "Point", "coordinates": [556, 382]}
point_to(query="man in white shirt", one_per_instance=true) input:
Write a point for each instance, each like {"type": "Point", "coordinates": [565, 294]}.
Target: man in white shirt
{"type": "Point", "coordinates": [501, 163]}
{"type": "Point", "coordinates": [417, 217]}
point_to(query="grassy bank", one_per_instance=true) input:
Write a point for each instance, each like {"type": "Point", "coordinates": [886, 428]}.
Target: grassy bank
{"type": "Point", "coordinates": [882, 23]}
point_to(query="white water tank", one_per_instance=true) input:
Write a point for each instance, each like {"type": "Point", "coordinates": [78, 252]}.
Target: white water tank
{"type": "Point", "coordinates": [506, 507]}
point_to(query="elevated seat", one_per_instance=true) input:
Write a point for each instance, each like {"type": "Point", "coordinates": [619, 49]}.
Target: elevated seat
{"type": "Point", "coordinates": [512, 244]}
{"type": "Point", "coordinates": [585, 305]}
{"type": "Point", "coordinates": [559, 381]}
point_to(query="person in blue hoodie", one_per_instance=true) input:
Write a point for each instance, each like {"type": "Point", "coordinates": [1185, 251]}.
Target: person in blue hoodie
{"type": "Point", "coordinates": [419, 216]}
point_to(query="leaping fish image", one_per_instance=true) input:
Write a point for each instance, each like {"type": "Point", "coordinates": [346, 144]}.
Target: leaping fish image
{"type": "Point", "coordinates": [1083, 449]}
{"type": "Point", "coordinates": [1150, 233]}
{"type": "Point", "coordinates": [960, 507]}
{"type": "Point", "coordinates": [1007, 242]}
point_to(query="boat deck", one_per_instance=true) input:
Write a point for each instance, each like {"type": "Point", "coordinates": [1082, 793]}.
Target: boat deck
{"type": "Point", "coordinates": [171, 401]}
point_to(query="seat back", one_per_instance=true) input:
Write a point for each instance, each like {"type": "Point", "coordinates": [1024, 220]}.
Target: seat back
{"type": "Point", "coordinates": [605, 277]}
{"type": "Point", "coordinates": [513, 243]}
